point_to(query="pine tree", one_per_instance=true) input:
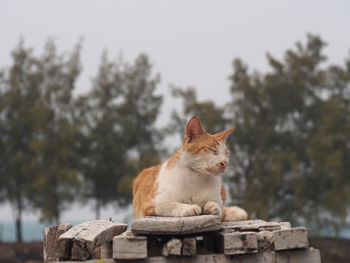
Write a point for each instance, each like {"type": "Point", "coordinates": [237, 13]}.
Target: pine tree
{"type": "Point", "coordinates": [36, 171]}
{"type": "Point", "coordinates": [117, 139]}
{"type": "Point", "coordinates": [212, 116]}
{"type": "Point", "coordinates": [56, 185]}
{"type": "Point", "coordinates": [290, 154]}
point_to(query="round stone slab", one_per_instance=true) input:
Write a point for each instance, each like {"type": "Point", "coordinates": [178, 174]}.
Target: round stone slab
{"type": "Point", "coordinates": [152, 225]}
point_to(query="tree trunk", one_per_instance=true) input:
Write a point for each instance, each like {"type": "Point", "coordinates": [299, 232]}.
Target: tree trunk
{"type": "Point", "coordinates": [57, 211]}
{"type": "Point", "coordinates": [19, 228]}
{"type": "Point", "coordinates": [17, 208]}
{"type": "Point", "coordinates": [97, 210]}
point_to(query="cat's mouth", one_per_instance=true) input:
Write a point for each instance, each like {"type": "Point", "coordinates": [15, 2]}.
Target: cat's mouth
{"type": "Point", "coordinates": [217, 171]}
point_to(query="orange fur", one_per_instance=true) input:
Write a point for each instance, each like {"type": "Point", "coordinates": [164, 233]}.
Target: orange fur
{"type": "Point", "coordinates": [196, 142]}
{"type": "Point", "coordinates": [144, 190]}
{"type": "Point", "coordinates": [223, 193]}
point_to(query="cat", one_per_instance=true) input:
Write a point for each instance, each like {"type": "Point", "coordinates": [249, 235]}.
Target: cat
{"type": "Point", "coordinates": [189, 182]}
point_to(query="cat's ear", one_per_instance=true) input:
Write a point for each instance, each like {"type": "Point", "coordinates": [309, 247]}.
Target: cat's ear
{"type": "Point", "coordinates": [194, 129]}
{"type": "Point", "coordinates": [222, 136]}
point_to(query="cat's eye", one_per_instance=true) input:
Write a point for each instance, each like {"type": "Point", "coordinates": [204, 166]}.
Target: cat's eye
{"type": "Point", "coordinates": [227, 152]}
{"type": "Point", "coordinates": [212, 150]}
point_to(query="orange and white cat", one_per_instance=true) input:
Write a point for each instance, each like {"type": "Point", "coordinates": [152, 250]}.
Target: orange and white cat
{"type": "Point", "coordinates": [189, 182]}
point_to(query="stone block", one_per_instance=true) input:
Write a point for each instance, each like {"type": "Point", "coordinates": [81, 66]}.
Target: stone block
{"type": "Point", "coordinates": [265, 257]}
{"type": "Point", "coordinates": [240, 243]}
{"type": "Point", "coordinates": [128, 246]}
{"type": "Point", "coordinates": [84, 238]}
{"type": "Point", "coordinates": [175, 225]}
{"type": "Point", "coordinates": [299, 256]}
{"type": "Point", "coordinates": [107, 250]}
{"type": "Point", "coordinates": [172, 247]}
{"type": "Point", "coordinates": [265, 241]}
{"type": "Point", "coordinates": [292, 238]}
{"type": "Point", "coordinates": [51, 235]}
{"type": "Point", "coordinates": [251, 225]}
{"type": "Point", "coordinates": [189, 248]}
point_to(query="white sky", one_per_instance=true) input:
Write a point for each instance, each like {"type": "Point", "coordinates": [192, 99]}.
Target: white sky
{"type": "Point", "coordinates": [191, 43]}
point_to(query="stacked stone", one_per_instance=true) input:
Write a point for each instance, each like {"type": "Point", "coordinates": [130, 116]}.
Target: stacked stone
{"type": "Point", "coordinates": [206, 239]}
{"type": "Point", "coordinates": [65, 243]}
{"type": "Point", "coordinates": [188, 239]}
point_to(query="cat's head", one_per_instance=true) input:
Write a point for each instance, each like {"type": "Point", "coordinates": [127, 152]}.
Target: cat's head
{"type": "Point", "coordinates": [203, 152]}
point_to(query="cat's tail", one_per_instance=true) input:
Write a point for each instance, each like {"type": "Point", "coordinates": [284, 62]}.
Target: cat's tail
{"type": "Point", "coordinates": [233, 213]}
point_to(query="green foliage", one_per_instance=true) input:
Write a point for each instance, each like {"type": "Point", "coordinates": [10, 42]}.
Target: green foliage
{"type": "Point", "coordinates": [291, 152]}
{"type": "Point", "coordinates": [18, 129]}
{"type": "Point", "coordinates": [212, 116]}
{"type": "Point", "coordinates": [37, 131]}
{"type": "Point", "coordinates": [118, 136]}
{"type": "Point", "coordinates": [57, 181]}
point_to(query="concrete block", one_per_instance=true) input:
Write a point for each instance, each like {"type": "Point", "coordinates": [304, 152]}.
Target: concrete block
{"type": "Point", "coordinates": [51, 235]}
{"type": "Point", "coordinates": [250, 225]}
{"type": "Point", "coordinates": [299, 256]}
{"type": "Point", "coordinates": [129, 246]}
{"type": "Point", "coordinates": [107, 250]}
{"type": "Point", "coordinates": [240, 243]}
{"type": "Point", "coordinates": [265, 241]}
{"type": "Point", "coordinates": [172, 247]}
{"type": "Point", "coordinates": [189, 247]}
{"type": "Point", "coordinates": [175, 225]}
{"type": "Point", "coordinates": [292, 238]}
{"type": "Point", "coordinates": [86, 237]}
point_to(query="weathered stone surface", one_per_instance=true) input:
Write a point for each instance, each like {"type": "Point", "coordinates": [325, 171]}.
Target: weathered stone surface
{"type": "Point", "coordinates": [238, 224]}
{"type": "Point", "coordinates": [285, 225]}
{"type": "Point", "coordinates": [216, 258]}
{"type": "Point", "coordinates": [129, 246]}
{"type": "Point", "coordinates": [189, 247]}
{"type": "Point", "coordinates": [86, 237]}
{"type": "Point", "coordinates": [175, 225]}
{"type": "Point", "coordinates": [79, 252]}
{"type": "Point", "coordinates": [172, 247]}
{"type": "Point", "coordinates": [51, 235]}
{"type": "Point", "coordinates": [265, 257]}
{"type": "Point", "coordinates": [240, 243]}
{"type": "Point", "coordinates": [299, 256]}
{"type": "Point", "coordinates": [89, 261]}
{"type": "Point", "coordinates": [107, 250]}
{"type": "Point", "coordinates": [65, 241]}
{"type": "Point", "coordinates": [250, 225]}
{"type": "Point", "coordinates": [265, 241]}
{"type": "Point", "coordinates": [180, 247]}
{"type": "Point", "coordinates": [270, 226]}
{"type": "Point", "coordinates": [290, 238]}
{"type": "Point", "coordinates": [209, 258]}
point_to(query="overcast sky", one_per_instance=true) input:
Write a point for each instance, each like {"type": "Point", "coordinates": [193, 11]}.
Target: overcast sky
{"type": "Point", "coordinates": [190, 43]}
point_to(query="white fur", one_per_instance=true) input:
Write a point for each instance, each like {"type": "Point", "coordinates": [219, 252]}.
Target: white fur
{"type": "Point", "coordinates": [185, 188]}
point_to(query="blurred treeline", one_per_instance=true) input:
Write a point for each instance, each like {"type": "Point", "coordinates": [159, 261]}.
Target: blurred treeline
{"type": "Point", "coordinates": [290, 152]}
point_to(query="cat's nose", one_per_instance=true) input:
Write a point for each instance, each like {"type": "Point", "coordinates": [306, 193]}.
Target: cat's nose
{"type": "Point", "coordinates": [222, 164]}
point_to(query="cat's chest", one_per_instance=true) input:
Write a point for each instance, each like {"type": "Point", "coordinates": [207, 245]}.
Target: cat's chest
{"type": "Point", "coordinates": [183, 185]}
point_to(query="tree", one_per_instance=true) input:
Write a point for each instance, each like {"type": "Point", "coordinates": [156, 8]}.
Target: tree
{"type": "Point", "coordinates": [57, 182]}
{"type": "Point", "coordinates": [19, 120]}
{"type": "Point", "coordinates": [34, 127]}
{"type": "Point", "coordinates": [18, 129]}
{"type": "Point", "coordinates": [212, 116]}
{"type": "Point", "coordinates": [117, 138]}
{"type": "Point", "coordinates": [290, 142]}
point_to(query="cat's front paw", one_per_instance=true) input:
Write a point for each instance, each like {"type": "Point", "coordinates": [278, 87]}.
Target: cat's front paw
{"type": "Point", "coordinates": [212, 208]}
{"type": "Point", "coordinates": [189, 210]}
